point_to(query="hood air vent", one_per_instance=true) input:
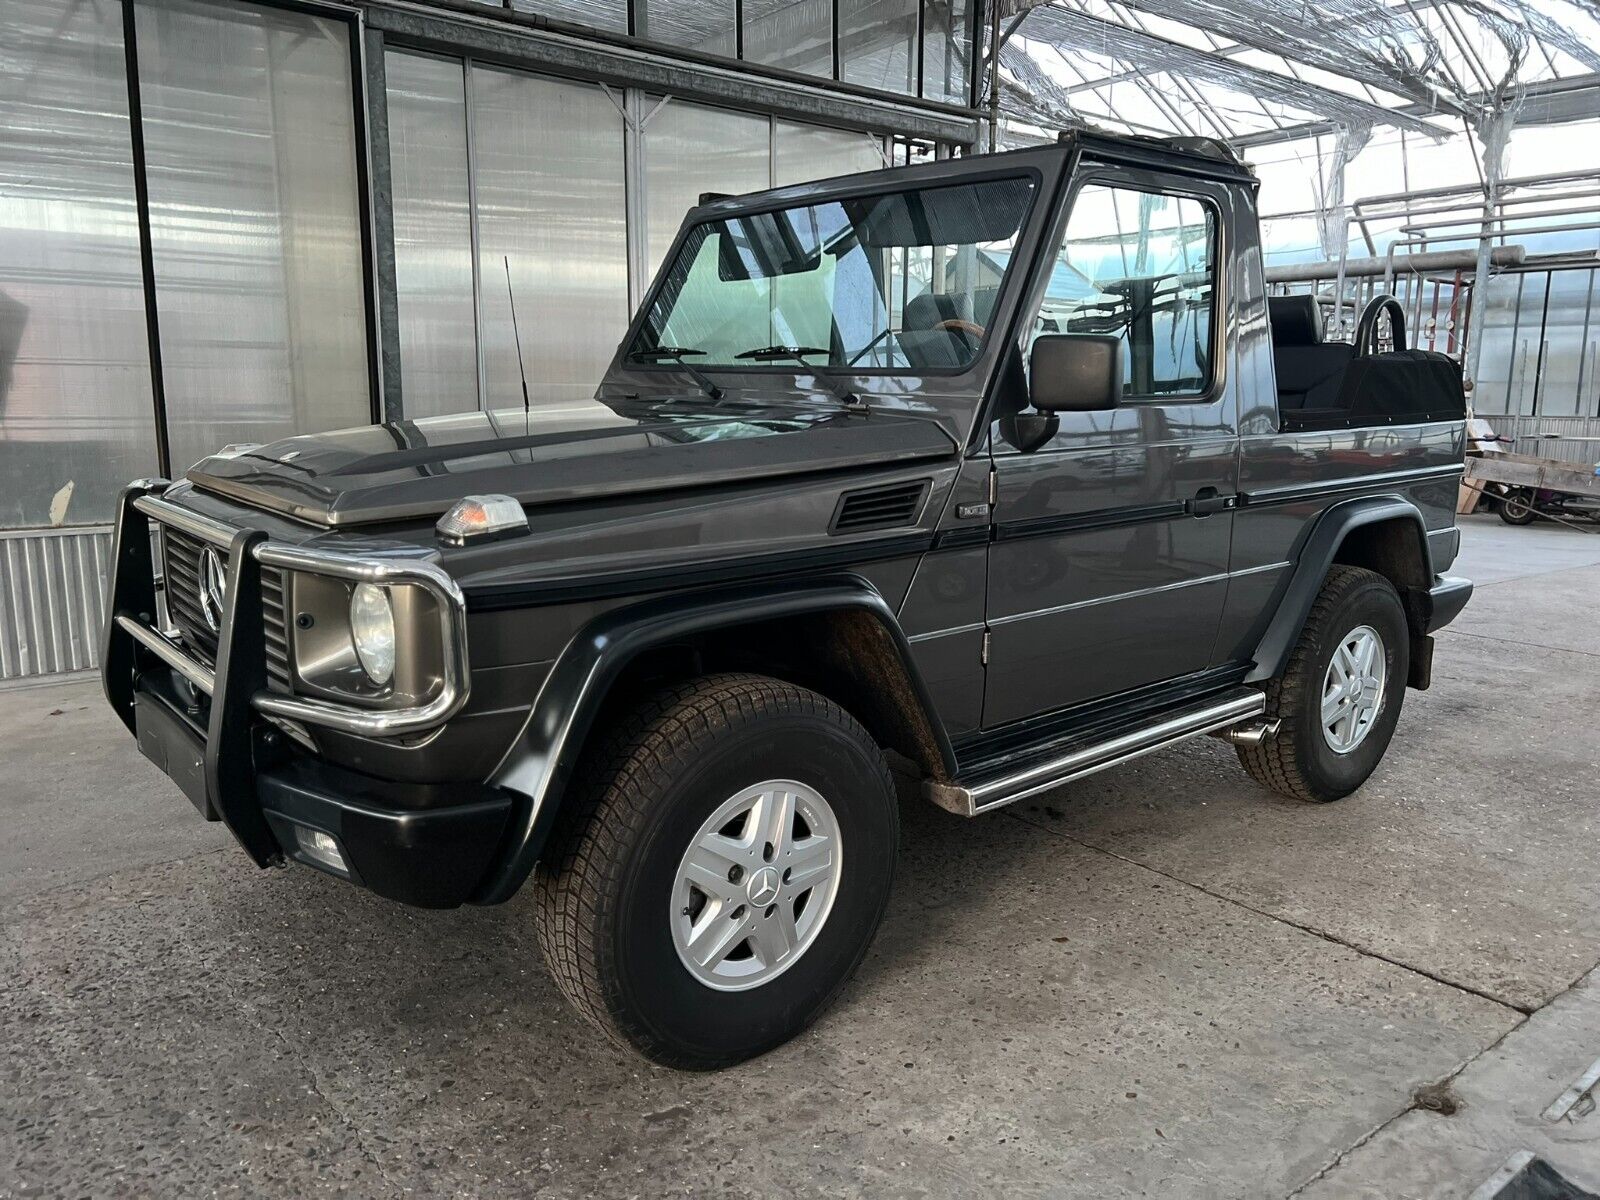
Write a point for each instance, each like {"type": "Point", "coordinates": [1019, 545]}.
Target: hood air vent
{"type": "Point", "coordinates": [880, 507]}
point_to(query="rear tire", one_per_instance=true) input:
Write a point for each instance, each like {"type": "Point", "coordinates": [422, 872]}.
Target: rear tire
{"type": "Point", "coordinates": [1336, 721]}
{"type": "Point", "coordinates": [667, 854]}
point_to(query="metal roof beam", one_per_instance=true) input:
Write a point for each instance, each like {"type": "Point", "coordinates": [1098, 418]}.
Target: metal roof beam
{"type": "Point", "coordinates": [1290, 38]}
{"type": "Point", "coordinates": [524, 40]}
{"type": "Point", "coordinates": [1203, 106]}
{"type": "Point", "coordinates": [1544, 102]}
{"type": "Point", "coordinates": [1064, 27]}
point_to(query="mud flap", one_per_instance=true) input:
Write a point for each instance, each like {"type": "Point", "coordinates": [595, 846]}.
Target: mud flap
{"type": "Point", "coordinates": [1421, 676]}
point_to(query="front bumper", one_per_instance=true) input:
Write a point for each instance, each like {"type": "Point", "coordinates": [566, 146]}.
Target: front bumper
{"type": "Point", "coordinates": [422, 844]}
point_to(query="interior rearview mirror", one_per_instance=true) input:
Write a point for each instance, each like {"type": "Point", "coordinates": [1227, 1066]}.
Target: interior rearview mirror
{"type": "Point", "coordinates": [1075, 372]}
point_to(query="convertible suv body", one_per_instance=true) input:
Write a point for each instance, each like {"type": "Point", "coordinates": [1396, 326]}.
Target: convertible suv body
{"type": "Point", "coordinates": [983, 474]}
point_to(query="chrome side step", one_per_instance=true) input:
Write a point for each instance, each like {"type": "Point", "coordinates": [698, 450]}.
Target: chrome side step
{"type": "Point", "coordinates": [1209, 716]}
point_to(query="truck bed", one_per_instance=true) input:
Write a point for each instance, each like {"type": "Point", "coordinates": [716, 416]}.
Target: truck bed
{"type": "Point", "coordinates": [1524, 470]}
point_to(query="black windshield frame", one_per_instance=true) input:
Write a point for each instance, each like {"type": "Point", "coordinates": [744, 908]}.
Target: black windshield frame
{"type": "Point", "coordinates": [904, 180]}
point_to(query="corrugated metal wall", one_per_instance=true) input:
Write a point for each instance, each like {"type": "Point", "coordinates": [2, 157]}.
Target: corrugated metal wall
{"type": "Point", "coordinates": [52, 599]}
{"type": "Point", "coordinates": [1569, 439]}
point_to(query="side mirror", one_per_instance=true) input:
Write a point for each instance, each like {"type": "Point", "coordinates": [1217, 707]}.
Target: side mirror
{"type": "Point", "coordinates": [1076, 372]}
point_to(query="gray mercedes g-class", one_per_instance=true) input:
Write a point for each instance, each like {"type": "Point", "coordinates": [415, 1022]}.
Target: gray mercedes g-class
{"type": "Point", "coordinates": [992, 472]}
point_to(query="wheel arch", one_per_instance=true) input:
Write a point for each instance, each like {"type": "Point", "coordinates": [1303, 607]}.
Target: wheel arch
{"type": "Point", "coordinates": [1385, 534]}
{"type": "Point", "coordinates": [840, 637]}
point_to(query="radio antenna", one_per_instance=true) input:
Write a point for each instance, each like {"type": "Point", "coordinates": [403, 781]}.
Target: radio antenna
{"type": "Point", "coordinates": [516, 336]}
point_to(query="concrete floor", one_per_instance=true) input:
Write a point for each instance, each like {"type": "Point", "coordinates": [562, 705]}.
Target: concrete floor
{"type": "Point", "coordinates": [1157, 982]}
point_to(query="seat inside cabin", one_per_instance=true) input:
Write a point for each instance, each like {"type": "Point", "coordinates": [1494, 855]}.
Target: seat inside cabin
{"type": "Point", "coordinates": [1327, 385]}
{"type": "Point", "coordinates": [937, 330]}
{"type": "Point", "coordinates": [1309, 370]}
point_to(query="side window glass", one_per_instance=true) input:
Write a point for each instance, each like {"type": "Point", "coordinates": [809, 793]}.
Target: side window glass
{"type": "Point", "coordinates": [1141, 266]}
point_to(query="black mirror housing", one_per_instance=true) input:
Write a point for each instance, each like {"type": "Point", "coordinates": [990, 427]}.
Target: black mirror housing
{"type": "Point", "coordinates": [1075, 372]}
{"type": "Point", "coordinates": [1030, 430]}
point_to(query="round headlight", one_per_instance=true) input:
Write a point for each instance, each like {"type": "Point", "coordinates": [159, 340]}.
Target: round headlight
{"type": "Point", "coordinates": [372, 630]}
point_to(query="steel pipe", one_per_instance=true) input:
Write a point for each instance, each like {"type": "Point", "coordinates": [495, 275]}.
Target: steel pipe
{"type": "Point", "coordinates": [1366, 268]}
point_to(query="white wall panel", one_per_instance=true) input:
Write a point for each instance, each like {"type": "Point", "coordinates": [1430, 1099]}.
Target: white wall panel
{"type": "Point", "coordinates": [690, 149]}
{"type": "Point", "coordinates": [802, 153]}
{"type": "Point", "coordinates": [52, 600]}
{"type": "Point", "coordinates": [432, 233]}
{"type": "Point", "coordinates": [551, 204]}
{"type": "Point", "coordinates": [76, 415]}
{"type": "Point", "coordinates": [255, 222]}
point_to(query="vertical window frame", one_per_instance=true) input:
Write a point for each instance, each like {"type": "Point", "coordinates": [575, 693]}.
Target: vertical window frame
{"type": "Point", "coordinates": [1160, 184]}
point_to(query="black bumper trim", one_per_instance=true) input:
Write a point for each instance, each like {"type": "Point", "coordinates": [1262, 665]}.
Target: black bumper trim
{"type": "Point", "coordinates": [428, 845]}
{"type": "Point", "coordinates": [429, 857]}
{"type": "Point", "coordinates": [174, 743]}
{"type": "Point", "coordinates": [1446, 598]}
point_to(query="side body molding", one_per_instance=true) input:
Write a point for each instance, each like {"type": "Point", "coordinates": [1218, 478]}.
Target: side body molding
{"type": "Point", "coordinates": [539, 766]}
{"type": "Point", "coordinates": [1316, 554]}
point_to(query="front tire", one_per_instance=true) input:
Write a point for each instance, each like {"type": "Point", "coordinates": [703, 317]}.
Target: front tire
{"type": "Point", "coordinates": [724, 862]}
{"type": "Point", "coordinates": [1339, 700]}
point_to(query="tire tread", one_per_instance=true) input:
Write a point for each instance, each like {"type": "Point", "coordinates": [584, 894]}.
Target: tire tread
{"type": "Point", "coordinates": [1274, 764]}
{"type": "Point", "coordinates": [609, 806]}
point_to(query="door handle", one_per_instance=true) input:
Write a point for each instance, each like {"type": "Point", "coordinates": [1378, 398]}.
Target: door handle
{"type": "Point", "coordinates": [1207, 501]}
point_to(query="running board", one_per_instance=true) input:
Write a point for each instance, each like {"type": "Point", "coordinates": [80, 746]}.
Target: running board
{"type": "Point", "coordinates": [968, 798]}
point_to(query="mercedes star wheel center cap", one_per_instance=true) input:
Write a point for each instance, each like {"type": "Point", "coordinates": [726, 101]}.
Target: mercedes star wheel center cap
{"type": "Point", "coordinates": [763, 887]}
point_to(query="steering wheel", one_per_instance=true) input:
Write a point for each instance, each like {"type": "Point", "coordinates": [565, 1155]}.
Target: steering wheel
{"type": "Point", "coordinates": [957, 325]}
{"type": "Point", "coordinates": [1367, 326]}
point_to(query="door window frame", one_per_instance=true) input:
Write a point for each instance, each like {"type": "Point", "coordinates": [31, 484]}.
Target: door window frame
{"type": "Point", "coordinates": [1161, 183]}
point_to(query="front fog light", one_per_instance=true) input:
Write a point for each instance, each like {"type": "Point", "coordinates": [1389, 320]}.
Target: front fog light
{"type": "Point", "coordinates": [321, 848]}
{"type": "Point", "coordinates": [372, 630]}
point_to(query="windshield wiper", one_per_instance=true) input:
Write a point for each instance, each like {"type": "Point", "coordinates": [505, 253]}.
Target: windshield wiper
{"type": "Point", "coordinates": [798, 354]}
{"type": "Point", "coordinates": [678, 354]}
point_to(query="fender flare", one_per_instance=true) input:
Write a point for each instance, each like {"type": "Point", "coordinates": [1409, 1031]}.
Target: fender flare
{"type": "Point", "coordinates": [1317, 553]}
{"type": "Point", "coordinates": [539, 766]}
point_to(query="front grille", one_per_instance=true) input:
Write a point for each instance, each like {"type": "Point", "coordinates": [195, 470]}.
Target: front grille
{"type": "Point", "coordinates": [180, 559]}
{"type": "Point", "coordinates": [181, 567]}
{"type": "Point", "coordinates": [275, 630]}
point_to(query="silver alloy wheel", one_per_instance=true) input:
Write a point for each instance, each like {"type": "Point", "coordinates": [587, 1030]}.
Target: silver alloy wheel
{"type": "Point", "coordinates": [1352, 690]}
{"type": "Point", "coordinates": [756, 885]}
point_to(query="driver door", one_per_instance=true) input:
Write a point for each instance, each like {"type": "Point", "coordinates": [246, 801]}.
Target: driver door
{"type": "Point", "coordinates": [1109, 567]}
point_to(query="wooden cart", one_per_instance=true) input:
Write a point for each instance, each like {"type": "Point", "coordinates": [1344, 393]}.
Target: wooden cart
{"type": "Point", "coordinates": [1524, 487]}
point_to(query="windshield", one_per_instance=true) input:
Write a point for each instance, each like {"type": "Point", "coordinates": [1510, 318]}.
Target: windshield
{"type": "Point", "coordinates": [904, 280]}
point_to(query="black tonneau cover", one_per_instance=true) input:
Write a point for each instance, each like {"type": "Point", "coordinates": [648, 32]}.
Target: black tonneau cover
{"type": "Point", "coordinates": [1402, 387]}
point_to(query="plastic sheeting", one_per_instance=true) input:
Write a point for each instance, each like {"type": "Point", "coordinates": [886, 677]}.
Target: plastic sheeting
{"type": "Point", "coordinates": [1065, 27]}
{"type": "Point", "coordinates": [1457, 59]}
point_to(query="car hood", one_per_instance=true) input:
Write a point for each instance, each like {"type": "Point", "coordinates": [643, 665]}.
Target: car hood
{"type": "Point", "coordinates": [558, 454]}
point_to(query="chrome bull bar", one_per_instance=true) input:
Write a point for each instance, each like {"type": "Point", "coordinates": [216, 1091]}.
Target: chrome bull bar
{"type": "Point", "coordinates": [132, 614]}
